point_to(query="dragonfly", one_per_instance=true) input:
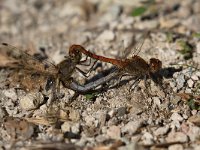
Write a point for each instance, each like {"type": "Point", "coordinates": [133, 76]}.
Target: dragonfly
{"type": "Point", "coordinates": [34, 73]}
{"type": "Point", "coordinates": [135, 66]}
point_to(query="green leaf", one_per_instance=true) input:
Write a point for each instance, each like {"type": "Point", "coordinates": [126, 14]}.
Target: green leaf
{"type": "Point", "coordinates": [138, 11]}
{"type": "Point", "coordinates": [91, 96]}
{"type": "Point", "coordinates": [197, 35]}
{"type": "Point", "coordinates": [186, 49]}
{"type": "Point", "coordinates": [194, 106]}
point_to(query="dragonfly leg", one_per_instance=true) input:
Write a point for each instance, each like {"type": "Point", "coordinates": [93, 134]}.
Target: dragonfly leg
{"type": "Point", "coordinates": [86, 74]}
{"type": "Point", "coordinates": [135, 83]}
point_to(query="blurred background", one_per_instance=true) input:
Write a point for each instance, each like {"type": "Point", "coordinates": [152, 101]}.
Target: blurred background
{"type": "Point", "coordinates": [103, 26]}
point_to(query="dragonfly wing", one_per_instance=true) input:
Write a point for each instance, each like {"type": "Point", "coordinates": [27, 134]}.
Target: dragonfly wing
{"type": "Point", "coordinates": [28, 62]}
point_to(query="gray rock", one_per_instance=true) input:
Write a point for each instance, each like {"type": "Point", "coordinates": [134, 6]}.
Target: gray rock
{"type": "Point", "coordinates": [180, 81]}
{"type": "Point", "coordinates": [132, 126]}
{"type": "Point", "coordinates": [121, 111]}
{"type": "Point", "coordinates": [162, 130]}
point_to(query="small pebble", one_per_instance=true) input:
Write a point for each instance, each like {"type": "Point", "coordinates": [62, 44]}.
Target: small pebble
{"type": "Point", "coordinates": [156, 100]}
{"type": "Point", "coordinates": [176, 137]}
{"type": "Point", "coordinates": [76, 128]}
{"type": "Point", "coordinates": [147, 138]}
{"type": "Point", "coordinates": [175, 147]}
{"type": "Point", "coordinates": [106, 36]}
{"type": "Point", "coordinates": [66, 126]}
{"type": "Point", "coordinates": [162, 130]}
{"type": "Point", "coordinates": [195, 77]}
{"type": "Point", "coordinates": [180, 81]}
{"type": "Point", "coordinates": [132, 126]}
{"type": "Point", "coordinates": [176, 117]}
{"type": "Point", "coordinates": [190, 83]}
{"type": "Point", "coordinates": [114, 132]}
{"type": "Point", "coordinates": [31, 101]}
{"type": "Point", "coordinates": [10, 93]}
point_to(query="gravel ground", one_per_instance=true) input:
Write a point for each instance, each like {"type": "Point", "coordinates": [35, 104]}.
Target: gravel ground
{"type": "Point", "coordinates": [117, 118]}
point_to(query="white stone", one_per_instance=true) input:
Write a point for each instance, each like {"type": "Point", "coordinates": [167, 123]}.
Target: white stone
{"type": "Point", "coordinates": [10, 93]}
{"type": "Point", "coordinates": [156, 100]}
{"type": "Point", "coordinates": [195, 77]}
{"type": "Point", "coordinates": [106, 36]}
{"type": "Point", "coordinates": [176, 117]}
{"type": "Point", "coordinates": [162, 130]}
{"type": "Point", "coordinates": [31, 101]}
{"type": "Point", "coordinates": [76, 128]}
{"type": "Point", "coordinates": [190, 83]}
{"type": "Point", "coordinates": [132, 126]}
{"type": "Point", "coordinates": [175, 147]}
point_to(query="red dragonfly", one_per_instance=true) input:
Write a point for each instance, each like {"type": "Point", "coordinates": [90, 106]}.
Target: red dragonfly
{"type": "Point", "coordinates": [135, 66]}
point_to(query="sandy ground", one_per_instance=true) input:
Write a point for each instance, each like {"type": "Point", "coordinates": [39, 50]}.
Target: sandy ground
{"type": "Point", "coordinates": [116, 118]}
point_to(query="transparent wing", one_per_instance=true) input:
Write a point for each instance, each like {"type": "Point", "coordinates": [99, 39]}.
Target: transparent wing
{"type": "Point", "coordinates": [28, 62]}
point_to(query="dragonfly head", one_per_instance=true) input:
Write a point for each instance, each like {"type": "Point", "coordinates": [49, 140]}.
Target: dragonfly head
{"type": "Point", "coordinates": [75, 54]}
{"type": "Point", "coordinates": [155, 65]}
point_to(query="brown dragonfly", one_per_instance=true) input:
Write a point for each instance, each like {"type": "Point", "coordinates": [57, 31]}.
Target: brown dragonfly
{"type": "Point", "coordinates": [34, 73]}
{"type": "Point", "coordinates": [134, 66]}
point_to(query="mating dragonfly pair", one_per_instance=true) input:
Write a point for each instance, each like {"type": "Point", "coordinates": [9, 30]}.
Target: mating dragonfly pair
{"type": "Point", "coordinates": [35, 73]}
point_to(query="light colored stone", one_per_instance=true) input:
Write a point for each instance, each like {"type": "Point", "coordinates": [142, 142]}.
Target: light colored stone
{"type": "Point", "coordinates": [162, 130]}
{"type": "Point", "coordinates": [176, 117]}
{"type": "Point", "coordinates": [66, 126]}
{"type": "Point", "coordinates": [10, 93]}
{"type": "Point", "coordinates": [76, 128]}
{"type": "Point", "coordinates": [31, 101]}
{"type": "Point", "coordinates": [156, 100]}
{"type": "Point", "coordinates": [106, 36]}
{"type": "Point", "coordinates": [175, 147]}
{"type": "Point", "coordinates": [180, 81]}
{"type": "Point", "coordinates": [195, 77]}
{"type": "Point", "coordinates": [132, 126]}
{"type": "Point", "coordinates": [198, 73]}
{"type": "Point", "coordinates": [193, 133]}
{"type": "Point", "coordinates": [147, 138]}
{"type": "Point", "coordinates": [176, 137]}
{"type": "Point", "coordinates": [89, 120]}
{"type": "Point", "coordinates": [190, 83]}
{"type": "Point", "coordinates": [114, 132]}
